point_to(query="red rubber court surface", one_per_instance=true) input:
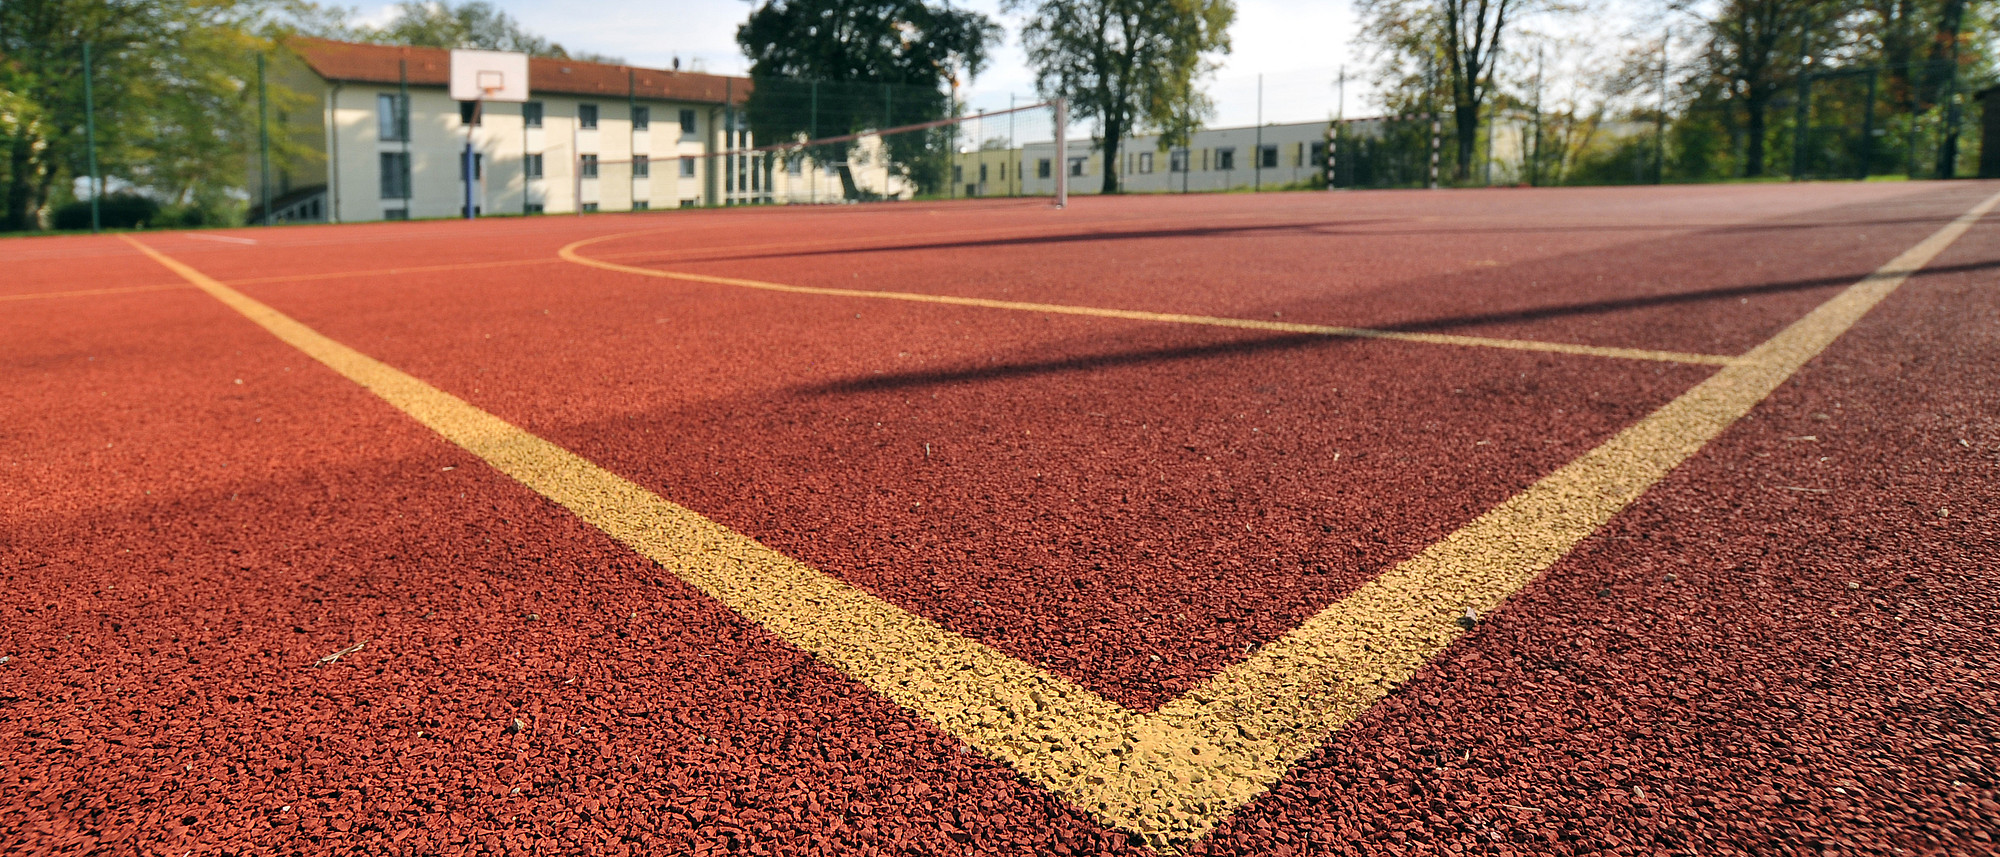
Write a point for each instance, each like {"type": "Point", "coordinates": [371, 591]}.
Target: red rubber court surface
{"type": "Point", "coordinates": [249, 606]}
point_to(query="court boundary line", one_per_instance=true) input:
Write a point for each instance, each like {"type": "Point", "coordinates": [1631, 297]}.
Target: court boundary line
{"type": "Point", "coordinates": [1174, 774]}
{"type": "Point", "coordinates": [85, 293]}
{"type": "Point", "coordinates": [569, 253]}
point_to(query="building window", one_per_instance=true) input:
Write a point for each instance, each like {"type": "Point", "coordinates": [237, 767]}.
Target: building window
{"type": "Point", "coordinates": [395, 175]}
{"type": "Point", "coordinates": [478, 165]}
{"type": "Point", "coordinates": [687, 123]}
{"type": "Point", "coordinates": [641, 205]}
{"type": "Point", "coordinates": [470, 114]}
{"type": "Point", "coordinates": [586, 116]}
{"type": "Point", "coordinates": [982, 173]}
{"type": "Point", "coordinates": [1003, 172]}
{"type": "Point", "coordinates": [1042, 168]}
{"type": "Point", "coordinates": [957, 173]}
{"type": "Point", "coordinates": [642, 167]}
{"type": "Point", "coordinates": [395, 214]}
{"type": "Point", "coordinates": [392, 117]}
{"type": "Point", "coordinates": [533, 165]}
{"type": "Point", "coordinates": [589, 166]}
{"type": "Point", "coordinates": [1267, 156]}
{"type": "Point", "coordinates": [687, 167]}
{"type": "Point", "coordinates": [1145, 162]}
{"type": "Point", "coordinates": [589, 207]}
{"type": "Point", "coordinates": [1078, 165]}
{"type": "Point", "coordinates": [1177, 161]}
{"type": "Point", "coordinates": [1225, 158]}
{"type": "Point", "coordinates": [1319, 154]}
{"type": "Point", "coordinates": [642, 118]}
{"type": "Point", "coordinates": [795, 165]}
{"type": "Point", "coordinates": [534, 208]}
{"type": "Point", "coordinates": [690, 202]}
{"type": "Point", "coordinates": [531, 114]}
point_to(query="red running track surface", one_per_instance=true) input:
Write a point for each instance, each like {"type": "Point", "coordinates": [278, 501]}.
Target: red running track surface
{"type": "Point", "coordinates": [192, 514]}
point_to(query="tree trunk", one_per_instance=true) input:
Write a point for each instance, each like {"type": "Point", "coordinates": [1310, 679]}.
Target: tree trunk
{"type": "Point", "coordinates": [1114, 129]}
{"type": "Point", "coordinates": [1467, 120]}
{"type": "Point", "coordinates": [20, 213]}
{"type": "Point", "coordinates": [1753, 160]}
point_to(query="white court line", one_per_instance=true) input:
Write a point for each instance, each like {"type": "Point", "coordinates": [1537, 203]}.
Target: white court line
{"type": "Point", "coordinates": [228, 238]}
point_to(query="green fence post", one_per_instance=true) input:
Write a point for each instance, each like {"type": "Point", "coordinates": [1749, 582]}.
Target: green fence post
{"type": "Point", "coordinates": [1802, 128]}
{"type": "Point", "coordinates": [1868, 126]}
{"type": "Point", "coordinates": [263, 141]}
{"type": "Point", "coordinates": [90, 144]}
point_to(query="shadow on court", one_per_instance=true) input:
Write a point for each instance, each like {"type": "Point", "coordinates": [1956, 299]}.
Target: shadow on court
{"type": "Point", "coordinates": [1283, 342]}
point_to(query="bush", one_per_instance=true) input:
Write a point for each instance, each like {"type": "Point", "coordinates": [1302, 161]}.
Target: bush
{"type": "Point", "coordinates": [116, 211]}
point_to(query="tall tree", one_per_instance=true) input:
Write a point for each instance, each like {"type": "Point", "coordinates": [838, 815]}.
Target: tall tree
{"type": "Point", "coordinates": [1454, 45]}
{"type": "Point", "coordinates": [477, 24]}
{"type": "Point", "coordinates": [1127, 63]}
{"type": "Point", "coordinates": [1756, 48]}
{"type": "Point", "coordinates": [175, 111]}
{"type": "Point", "coordinates": [823, 68]}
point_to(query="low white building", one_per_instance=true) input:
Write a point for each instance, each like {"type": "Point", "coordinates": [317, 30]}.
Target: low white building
{"type": "Point", "coordinates": [1270, 157]}
{"type": "Point", "coordinates": [594, 137]}
{"type": "Point", "coordinates": [1273, 157]}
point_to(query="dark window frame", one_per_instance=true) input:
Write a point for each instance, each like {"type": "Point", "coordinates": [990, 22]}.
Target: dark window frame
{"type": "Point", "coordinates": [395, 169]}
{"type": "Point", "coordinates": [397, 123]}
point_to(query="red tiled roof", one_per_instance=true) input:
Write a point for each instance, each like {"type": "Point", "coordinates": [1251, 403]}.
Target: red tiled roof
{"type": "Point", "coordinates": [350, 62]}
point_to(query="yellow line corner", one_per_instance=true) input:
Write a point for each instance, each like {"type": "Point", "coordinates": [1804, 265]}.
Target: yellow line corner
{"type": "Point", "coordinates": [1173, 774]}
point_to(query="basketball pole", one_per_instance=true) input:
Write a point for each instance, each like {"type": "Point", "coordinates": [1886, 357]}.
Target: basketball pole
{"type": "Point", "coordinates": [468, 162]}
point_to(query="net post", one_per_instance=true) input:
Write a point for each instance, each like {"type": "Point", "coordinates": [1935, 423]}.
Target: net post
{"type": "Point", "coordinates": [1062, 153]}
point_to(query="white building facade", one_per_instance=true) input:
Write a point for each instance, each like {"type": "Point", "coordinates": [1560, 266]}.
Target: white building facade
{"type": "Point", "coordinates": [592, 137]}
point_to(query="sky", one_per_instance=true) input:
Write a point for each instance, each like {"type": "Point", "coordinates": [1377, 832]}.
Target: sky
{"type": "Point", "coordinates": [1299, 46]}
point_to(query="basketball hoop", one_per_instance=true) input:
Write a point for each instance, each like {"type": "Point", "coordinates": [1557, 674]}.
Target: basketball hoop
{"type": "Point", "coordinates": [479, 77]}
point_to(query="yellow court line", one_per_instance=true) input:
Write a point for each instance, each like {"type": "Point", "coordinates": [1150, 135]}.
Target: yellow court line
{"type": "Point", "coordinates": [81, 293]}
{"type": "Point", "coordinates": [569, 253]}
{"type": "Point", "coordinates": [858, 244]}
{"type": "Point", "coordinates": [1173, 774]}
{"type": "Point", "coordinates": [386, 272]}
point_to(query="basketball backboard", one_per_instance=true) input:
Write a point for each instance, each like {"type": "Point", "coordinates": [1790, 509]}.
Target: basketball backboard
{"type": "Point", "coordinates": [489, 76]}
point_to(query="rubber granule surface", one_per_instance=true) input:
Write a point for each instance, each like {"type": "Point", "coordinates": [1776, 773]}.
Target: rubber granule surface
{"type": "Point", "coordinates": [247, 607]}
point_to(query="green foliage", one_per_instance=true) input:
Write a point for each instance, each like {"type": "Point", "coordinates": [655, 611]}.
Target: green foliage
{"type": "Point", "coordinates": [473, 25]}
{"type": "Point", "coordinates": [1128, 64]}
{"type": "Point", "coordinates": [116, 211]}
{"type": "Point", "coordinates": [826, 68]}
{"type": "Point", "coordinates": [175, 92]}
{"type": "Point", "coordinates": [1442, 53]}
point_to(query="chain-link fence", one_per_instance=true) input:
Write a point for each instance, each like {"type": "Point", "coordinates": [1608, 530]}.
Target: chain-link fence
{"type": "Point", "coordinates": [234, 132]}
